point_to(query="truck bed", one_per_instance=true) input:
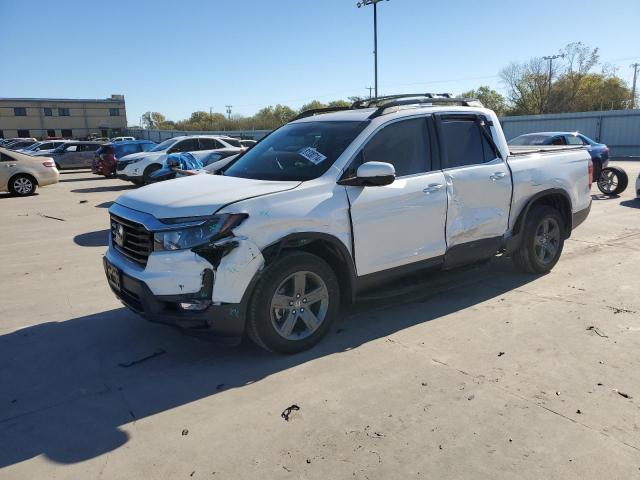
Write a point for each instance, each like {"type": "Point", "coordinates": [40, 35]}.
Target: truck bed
{"type": "Point", "coordinates": [515, 150]}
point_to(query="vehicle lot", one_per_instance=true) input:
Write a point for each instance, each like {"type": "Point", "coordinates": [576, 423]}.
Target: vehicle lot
{"type": "Point", "coordinates": [483, 373]}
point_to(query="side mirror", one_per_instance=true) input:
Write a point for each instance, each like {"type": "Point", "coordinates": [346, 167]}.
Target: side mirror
{"type": "Point", "coordinates": [372, 174]}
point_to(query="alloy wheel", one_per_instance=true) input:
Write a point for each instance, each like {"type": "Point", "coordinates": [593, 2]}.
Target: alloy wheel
{"type": "Point", "coordinates": [547, 240]}
{"type": "Point", "coordinates": [608, 181]}
{"type": "Point", "coordinates": [299, 305]}
{"type": "Point", "coordinates": [23, 185]}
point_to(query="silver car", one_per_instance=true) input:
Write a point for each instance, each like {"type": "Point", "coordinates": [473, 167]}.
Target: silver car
{"type": "Point", "coordinates": [74, 154]}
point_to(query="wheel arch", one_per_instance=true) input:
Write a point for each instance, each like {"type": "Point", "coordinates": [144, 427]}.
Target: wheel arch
{"type": "Point", "coordinates": [554, 197]}
{"type": "Point", "coordinates": [325, 246]}
{"type": "Point", "coordinates": [26, 174]}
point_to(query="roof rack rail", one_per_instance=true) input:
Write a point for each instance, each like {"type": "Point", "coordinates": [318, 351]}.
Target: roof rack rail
{"type": "Point", "coordinates": [316, 111]}
{"type": "Point", "coordinates": [382, 104]}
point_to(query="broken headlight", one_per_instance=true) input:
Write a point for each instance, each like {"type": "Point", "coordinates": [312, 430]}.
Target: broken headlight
{"type": "Point", "coordinates": [211, 229]}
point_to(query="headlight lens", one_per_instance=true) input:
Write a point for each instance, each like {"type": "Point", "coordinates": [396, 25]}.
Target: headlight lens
{"type": "Point", "coordinates": [214, 228]}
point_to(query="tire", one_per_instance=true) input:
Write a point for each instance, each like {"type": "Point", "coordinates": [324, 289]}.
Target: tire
{"type": "Point", "coordinates": [148, 171]}
{"type": "Point", "coordinates": [597, 169]}
{"type": "Point", "coordinates": [538, 253]}
{"type": "Point", "coordinates": [22, 185]}
{"type": "Point", "coordinates": [613, 181]}
{"type": "Point", "coordinates": [287, 329]}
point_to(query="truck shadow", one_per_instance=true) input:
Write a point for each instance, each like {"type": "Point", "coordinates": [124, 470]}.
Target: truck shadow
{"type": "Point", "coordinates": [69, 387]}
{"type": "Point", "coordinates": [112, 188]}
{"type": "Point", "coordinates": [99, 238]}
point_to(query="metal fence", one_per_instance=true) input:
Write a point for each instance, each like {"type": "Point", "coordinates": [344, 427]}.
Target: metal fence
{"type": "Point", "coordinates": [619, 129]}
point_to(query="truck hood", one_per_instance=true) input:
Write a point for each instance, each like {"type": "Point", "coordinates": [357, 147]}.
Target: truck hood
{"type": "Point", "coordinates": [197, 195]}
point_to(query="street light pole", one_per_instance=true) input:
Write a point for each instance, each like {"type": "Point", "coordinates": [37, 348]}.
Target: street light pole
{"type": "Point", "coordinates": [550, 58]}
{"type": "Point", "coordinates": [364, 3]}
{"type": "Point", "coordinates": [635, 77]}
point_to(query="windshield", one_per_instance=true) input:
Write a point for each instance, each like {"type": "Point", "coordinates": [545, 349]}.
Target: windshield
{"type": "Point", "coordinates": [298, 151]}
{"type": "Point", "coordinates": [166, 145]}
{"type": "Point", "coordinates": [530, 140]}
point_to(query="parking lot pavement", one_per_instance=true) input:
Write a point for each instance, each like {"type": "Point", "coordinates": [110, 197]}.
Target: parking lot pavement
{"type": "Point", "coordinates": [484, 373]}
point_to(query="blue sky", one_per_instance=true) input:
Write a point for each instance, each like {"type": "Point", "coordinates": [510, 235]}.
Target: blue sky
{"type": "Point", "coordinates": [179, 56]}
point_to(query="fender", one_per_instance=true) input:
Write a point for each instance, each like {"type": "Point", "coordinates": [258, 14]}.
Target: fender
{"type": "Point", "coordinates": [512, 241]}
{"type": "Point", "coordinates": [326, 246]}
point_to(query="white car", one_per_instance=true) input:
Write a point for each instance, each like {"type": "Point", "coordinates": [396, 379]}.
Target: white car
{"type": "Point", "coordinates": [137, 167]}
{"type": "Point", "coordinates": [333, 204]}
{"type": "Point", "coordinates": [121, 139]}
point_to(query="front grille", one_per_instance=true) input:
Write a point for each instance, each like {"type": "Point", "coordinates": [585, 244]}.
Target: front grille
{"type": "Point", "coordinates": [136, 242]}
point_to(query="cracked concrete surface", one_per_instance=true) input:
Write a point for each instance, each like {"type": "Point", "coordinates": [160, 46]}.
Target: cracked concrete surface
{"type": "Point", "coordinates": [411, 385]}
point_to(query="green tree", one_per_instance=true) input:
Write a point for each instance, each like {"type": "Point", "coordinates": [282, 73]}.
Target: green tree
{"type": "Point", "coordinates": [152, 120]}
{"type": "Point", "coordinates": [313, 105]}
{"type": "Point", "coordinates": [489, 98]}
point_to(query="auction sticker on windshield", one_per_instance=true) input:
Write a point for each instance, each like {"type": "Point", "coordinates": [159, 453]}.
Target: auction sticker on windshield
{"type": "Point", "coordinates": [312, 155]}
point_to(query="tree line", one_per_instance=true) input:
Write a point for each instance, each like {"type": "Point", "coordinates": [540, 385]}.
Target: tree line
{"type": "Point", "coordinates": [575, 81]}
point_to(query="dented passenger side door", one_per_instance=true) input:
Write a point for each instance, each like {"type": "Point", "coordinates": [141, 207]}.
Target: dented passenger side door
{"type": "Point", "coordinates": [478, 185]}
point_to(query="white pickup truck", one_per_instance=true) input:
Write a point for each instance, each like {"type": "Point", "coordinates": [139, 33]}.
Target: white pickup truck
{"type": "Point", "coordinates": [333, 204]}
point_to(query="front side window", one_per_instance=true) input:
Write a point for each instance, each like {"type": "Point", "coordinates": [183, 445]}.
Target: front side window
{"type": "Point", "coordinates": [464, 143]}
{"type": "Point", "coordinates": [20, 112]}
{"type": "Point", "coordinates": [403, 144]}
{"type": "Point", "coordinates": [162, 146]}
{"type": "Point", "coordinates": [63, 112]}
{"type": "Point", "coordinates": [188, 145]}
{"type": "Point", "coordinates": [146, 147]}
{"type": "Point", "coordinates": [297, 151]}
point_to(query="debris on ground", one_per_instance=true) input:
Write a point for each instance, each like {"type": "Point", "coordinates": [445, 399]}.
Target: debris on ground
{"type": "Point", "coordinates": [185, 432]}
{"type": "Point", "coordinates": [52, 218]}
{"type": "Point", "coordinates": [83, 201]}
{"type": "Point", "coordinates": [471, 397]}
{"type": "Point", "coordinates": [578, 412]}
{"type": "Point", "coordinates": [622, 394]}
{"type": "Point", "coordinates": [287, 411]}
{"type": "Point", "coordinates": [500, 354]}
{"type": "Point", "coordinates": [617, 310]}
{"type": "Point", "coordinates": [597, 331]}
{"type": "Point", "coordinates": [424, 384]}
{"type": "Point", "coordinates": [558, 393]}
{"type": "Point", "coordinates": [373, 434]}
{"type": "Point", "coordinates": [143, 359]}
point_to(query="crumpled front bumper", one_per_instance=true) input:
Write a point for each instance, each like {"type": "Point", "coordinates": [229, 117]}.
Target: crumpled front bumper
{"type": "Point", "coordinates": [221, 275]}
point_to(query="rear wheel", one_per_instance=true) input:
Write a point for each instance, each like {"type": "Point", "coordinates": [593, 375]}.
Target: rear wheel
{"type": "Point", "coordinates": [542, 240]}
{"type": "Point", "coordinates": [612, 181]}
{"type": "Point", "coordinates": [22, 185]}
{"type": "Point", "coordinates": [293, 304]}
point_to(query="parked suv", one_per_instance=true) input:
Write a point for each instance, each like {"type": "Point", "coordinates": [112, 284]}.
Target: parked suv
{"type": "Point", "coordinates": [73, 154]}
{"type": "Point", "coordinates": [138, 167]}
{"type": "Point", "coordinates": [104, 162]}
{"type": "Point", "coordinates": [333, 204]}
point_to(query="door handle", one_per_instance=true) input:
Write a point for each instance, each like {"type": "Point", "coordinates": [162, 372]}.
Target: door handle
{"type": "Point", "coordinates": [433, 187]}
{"type": "Point", "coordinates": [497, 176]}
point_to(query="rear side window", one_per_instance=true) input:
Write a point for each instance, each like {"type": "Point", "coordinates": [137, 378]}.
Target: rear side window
{"type": "Point", "coordinates": [233, 142]}
{"type": "Point", "coordinates": [209, 144]}
{"type": "Point", "coordinates": [127, 149]}
{"type": "Point", "coordinates": [403, 144]}
{"type": "Point", "coordinates": [573, 140]}
{"type": "Point", "coordinates": [464, 143]}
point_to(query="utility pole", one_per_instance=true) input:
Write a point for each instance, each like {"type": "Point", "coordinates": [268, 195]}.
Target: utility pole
{"type": "Point", "coordinates": [364, 3]}
{"type": "Point", "coordinates": [228, 107]}
{"type": "Point", "coordinates": [635, 77]}
{"type": "Point", "coordinates": [550, 58]}
{"type": "Point", "coordinates": [369, 88]}
{"type": "Point", "coordinates": [211, 118]}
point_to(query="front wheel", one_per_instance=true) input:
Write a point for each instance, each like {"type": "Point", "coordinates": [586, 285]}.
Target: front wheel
{"type": "Point", "coordinates": [22, 185]}
{"type": "Point", "coordinates": [612, 181]}
{"type": "Point", "coordinates": [293, 304]}
{"type": "Point", "coordinates": [542, 240]}
{"type": "Point", "coordinates": [146, 177]}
